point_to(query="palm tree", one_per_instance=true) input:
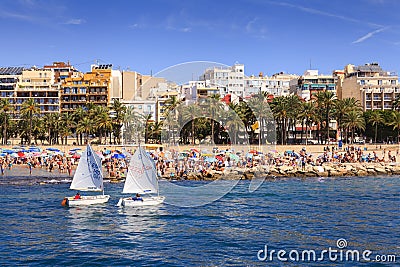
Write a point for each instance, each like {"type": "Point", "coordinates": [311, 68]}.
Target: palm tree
{"type": "Point", "coordinates": [118, 110]}
{"type": "Point", "coordinates": [155, 131]}
{"type": "Point", "coordinates": [77, 116]}
{"type": "Point", "coordinates": [189, 114]}
{"type": "Point", "coordinates": [354, 119]}
{"type": "Point", "coordinates": [67, 126]}
{"type": "Point", "coordinates": [342, 107]}
{"type": "Point", "coordinates": [104, 123]}
{"type": "Point", "coordinates": [281, 109]}
{"type": "Point", "coordinates": [172, 104]}
{"type": "Point", "coordinates": [295, 107]}
{"type": "Point", "coordinates": [308, 114]}
{"type": "Point", "coordinates": [326, 101]}
{"type": "Point", "coordinates": [395, 122]}
{"type": "Point", "coordinates": [148, 121]}
{"type": "Point", "coordinates": [85, 126]}
{"type": "Point", "coordinates": [376, 118]}
{"type": "Point", "coordinates": [234, 124]}
{"type": "Point", "coordinates": [30, 108]}
{"type": "Point", "coordinates": [5, 108]}
{"type": "Point", "coordinates": [260, 108]}
{"type": "Point", "coordinates": [215, 108]}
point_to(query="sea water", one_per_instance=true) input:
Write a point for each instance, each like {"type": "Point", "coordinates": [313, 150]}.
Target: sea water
{"type": "Point", "coordinates": [238, 229]}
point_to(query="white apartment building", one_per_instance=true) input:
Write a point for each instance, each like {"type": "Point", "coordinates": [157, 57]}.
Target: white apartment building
{"type": "Point", "coordinates": [276, 85]}
{"type": "Point", "coordinates": [311, 82]}
{"type": "Point", "coordinates": [229, 80]}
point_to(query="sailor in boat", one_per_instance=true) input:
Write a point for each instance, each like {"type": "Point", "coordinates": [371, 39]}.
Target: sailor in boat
{"type": "Point", "coordinates": [137, 197]}
{"type": "Point", "coordinates": [77, 196]}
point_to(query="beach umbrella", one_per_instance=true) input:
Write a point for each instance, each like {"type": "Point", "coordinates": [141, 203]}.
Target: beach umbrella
{"type": "Point", "coordinates": [249, 155]}
{"type": "Point", "coordinates": [72, 151]}
{"type": "Point", "coordinates": [14, 155]}
{"type": "Point", "coordinates": [195, 150]}
{"type": "Point", "coordinates": [118, 156]}
{"type": "Point", "coordinates": [8, 151]}
{"type": "Point", "coordinates": [76, 156]}
{"type": "Point", "coordinates": [207, 159]}
{"type": "Point", "coordinates": [53, 149]}
{"type": "Point", "coordinates": [219, 158]}
{"type": "Point", "coordinates": [3, 154]}
{"type": "Point", "coordinates": [234, 157]}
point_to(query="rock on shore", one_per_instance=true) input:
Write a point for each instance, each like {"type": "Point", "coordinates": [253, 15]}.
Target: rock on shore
{"type": "Point", "coordinates": [326, 170]}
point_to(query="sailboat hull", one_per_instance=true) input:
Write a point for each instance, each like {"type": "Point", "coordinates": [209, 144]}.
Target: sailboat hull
{"type": "Point", "coordinates": [87, 200]}
{"type": "Point", "coordinates": [147, 201]}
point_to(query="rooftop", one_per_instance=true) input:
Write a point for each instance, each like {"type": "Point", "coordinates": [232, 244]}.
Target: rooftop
{"type": "Point", "coordinates": [11, 70]}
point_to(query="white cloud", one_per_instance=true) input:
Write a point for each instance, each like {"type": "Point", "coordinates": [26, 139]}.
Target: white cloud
{"type": "Point", "coordinates": [324, 13]}
{"type": "Point", "coordinates": [369, 35]}
{"type": "Point", "coordinates": [75, 21]}
{"type": "Point", "coordinates": [5, 14]}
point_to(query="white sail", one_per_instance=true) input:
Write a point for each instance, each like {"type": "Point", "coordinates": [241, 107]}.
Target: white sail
{"type": "Point", "coordinates": [88, 175]}
{"type": "Point", "coordinates": [142, 175]}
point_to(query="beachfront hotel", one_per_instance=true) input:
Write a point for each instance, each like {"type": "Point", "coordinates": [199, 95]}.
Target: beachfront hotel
{"type": "Point", "coordinates": [311, 82]}
{"type": "Point", "coordinates": [93, 86]}
{"type": "Point", "coordinates": [369, 84]}
{"type": "Point", "coordinates": [40, 84]}
{"type": "Point", "coordinates": [231, 81]}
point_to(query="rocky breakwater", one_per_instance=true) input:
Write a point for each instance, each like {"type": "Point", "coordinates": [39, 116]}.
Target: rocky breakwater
{"type": "Point", "coordinates": [273, 172]}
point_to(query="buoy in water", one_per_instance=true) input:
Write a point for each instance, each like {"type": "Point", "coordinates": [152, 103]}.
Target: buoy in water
{"type": "Point", "coordinates": [64, 202]}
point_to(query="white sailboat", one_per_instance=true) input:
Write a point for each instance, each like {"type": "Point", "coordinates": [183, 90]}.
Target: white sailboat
{"type": "Point", "coordinates": [141, 179]}
{"type": "Point", "coordinates": [88, 177]}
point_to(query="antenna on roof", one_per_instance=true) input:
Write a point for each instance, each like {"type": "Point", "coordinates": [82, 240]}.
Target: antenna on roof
{"type": "Point", "coordinates": [310, 64]}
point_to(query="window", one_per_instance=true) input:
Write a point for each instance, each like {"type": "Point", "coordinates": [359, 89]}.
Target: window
{"type": "Point", "coordinates": [379, 82]}
{"type": "Point", "coordinates": [362, 82]}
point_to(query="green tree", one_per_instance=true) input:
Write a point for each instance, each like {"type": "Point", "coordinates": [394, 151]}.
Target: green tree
{"type": "Point", "coordinates": [395, 122]}
{"type": "Point", "coordinates": [326, 102]}
{"type": "Point", "coordinates": [354, 119]}
{"type": "Point", "coordinates": [117, 110]}
{"type": "Point", "coordinates": [85, 126]}
{"type": "Point", "coordinates": [307, 114]}
{"type": "Point", "coordinates": [189, 114]}
{"type": "Point", "coordinates": [376, 118]}
{"type": "Point", "coordinates": [5, 108]}
{"type": "Point", "coordinates": [30, 108]}
{"type": "Point", "coordinates": [67, 126]}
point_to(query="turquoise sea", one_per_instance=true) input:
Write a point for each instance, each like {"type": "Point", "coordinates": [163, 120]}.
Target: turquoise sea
{"type": "Point", "coordinates": [286, 214]}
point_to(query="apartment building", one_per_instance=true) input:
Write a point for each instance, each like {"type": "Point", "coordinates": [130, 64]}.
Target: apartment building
{"type": "Point", "coordinates": [311, 82]}
{"type": "Point", "coordinates": [277, 85]}
{"type": "Point", "coordinates": [229, 80]}
{"type": "Point", "coordinates": [38, 84]}
{"type": "Point", "coordinates": [9, 77]}
{"type": "Point", "coordinates": [91, 87]}
{"type": "Point", "coordinates": [374, 87]}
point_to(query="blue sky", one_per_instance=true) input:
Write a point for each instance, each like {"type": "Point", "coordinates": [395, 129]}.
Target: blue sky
{"type": "Point", "coordinates": [147, 36]}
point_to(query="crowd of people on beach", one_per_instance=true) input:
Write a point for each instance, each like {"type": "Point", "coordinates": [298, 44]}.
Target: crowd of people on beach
{"type": "Point", "coordinates": [175, 164]}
